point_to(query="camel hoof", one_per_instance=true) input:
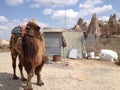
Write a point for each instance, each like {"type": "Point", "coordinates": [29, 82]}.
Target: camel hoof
{"type": "Point", "coordinates": [28, 88]}
{"type": "Point", "coordinates": [40, 84]}
{"type": "Point", "coordinates": [24, 79]}
{"type": "Point", "coordinates": [15, 78]}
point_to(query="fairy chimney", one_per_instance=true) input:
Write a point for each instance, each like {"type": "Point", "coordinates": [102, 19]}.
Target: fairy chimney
{"type": "Point", "coordinates": [80, 26]}
{"type": "Point", "coordinates": [113, 24]}
{"type": "Point", "coordinates": [94, 26]}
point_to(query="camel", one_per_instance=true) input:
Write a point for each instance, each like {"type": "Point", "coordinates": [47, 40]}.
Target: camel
{"type": "Point", "coordinates": [30, 48]}
{"type": "Point", "coordinates": [33, 53]}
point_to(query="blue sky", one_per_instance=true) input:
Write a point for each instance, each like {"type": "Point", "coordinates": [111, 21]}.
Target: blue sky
{"type": "Point", "coordinates": [17, 12]}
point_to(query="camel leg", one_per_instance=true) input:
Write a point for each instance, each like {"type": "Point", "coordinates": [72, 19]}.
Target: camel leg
{"type": "Point", "coordinates": [38, 69]}
{"type": "Point", "coordinates": [29, 85]}
{"type": "Point", "coordinates": [21, 71]}
{"type": "Point", "coordinates": [30, 74]}
{"type": "Point", "coordinates": [14, 56]}
{"type": "Point", "coordinates": [37, 73]}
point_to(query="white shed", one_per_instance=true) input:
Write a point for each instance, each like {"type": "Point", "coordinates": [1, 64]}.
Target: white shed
{"type": "Point", "coordinates": [53, 42]}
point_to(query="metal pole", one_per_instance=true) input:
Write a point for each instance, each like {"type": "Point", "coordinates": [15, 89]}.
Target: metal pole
{"type": "Point", "coordinates": [64, 27]}
{"type": "Point", "coordinates": [65, 11]}
{"type": "Point", "coordinates": [65, 16]}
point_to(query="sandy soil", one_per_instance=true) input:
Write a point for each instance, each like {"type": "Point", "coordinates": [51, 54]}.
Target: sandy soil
{"type": "Point", "coordinates": [79, 75]}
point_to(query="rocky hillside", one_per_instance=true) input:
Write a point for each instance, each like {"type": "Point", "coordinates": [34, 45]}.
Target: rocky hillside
{"type": "Point", "coordinates": [113, 43]}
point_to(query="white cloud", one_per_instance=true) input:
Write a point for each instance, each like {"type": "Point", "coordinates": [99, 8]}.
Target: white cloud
{"type": "Point", "coordinates": [85, 12]}
{"type": "Point", "coordinates": [5, 32]}
{"type": "Point", "coordinates": [90, 3]}
{"type": "Point", "coordinates": [3, 19]}
{"type": "Point", "coordinates": [35, 5]}
{"type": "Point", "coordinates": [105, 18]}
{"type": "Point", "coordinates": [4, 28]}
{"type": "Point", "coordinates": [47, 3]}
{"type": "Point", "coordinates": [60, 14]}
{"type": "Point", "coordinates": [16, 21]}
{"type": "Point", "coordinates": [102, 9]}
{"type": "Point", "coordinates": [42, 25]}
{"type": "Point", "coordinates": [48, 11]}
{"type": "Point", "coordinates": [96, 2]}
{"type": "Point", "coordinates": [14, 2]}
{"type": "Point", "coordinates": [67, 2]}
{"type": "Point", "coordinates": [71, 16]}
{"type": "Point", "coordinates": [91, 6]}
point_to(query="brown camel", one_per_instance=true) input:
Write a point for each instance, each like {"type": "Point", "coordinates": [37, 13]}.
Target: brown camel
{"type": "Point", "coordinates": [32, 56]}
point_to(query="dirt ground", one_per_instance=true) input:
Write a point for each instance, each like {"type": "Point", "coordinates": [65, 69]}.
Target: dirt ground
{"type": "Point", "coordinates": [79, 75]}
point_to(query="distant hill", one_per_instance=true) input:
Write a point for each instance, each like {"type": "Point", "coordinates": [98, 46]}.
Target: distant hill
{"type": "Point", "coordinates": [4, 42]}
{"type": "Point", "coordinates": [4, 45]}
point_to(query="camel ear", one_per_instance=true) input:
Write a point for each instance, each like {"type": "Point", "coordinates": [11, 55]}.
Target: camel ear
{"type": "Point", "coordinates": [34, 20]}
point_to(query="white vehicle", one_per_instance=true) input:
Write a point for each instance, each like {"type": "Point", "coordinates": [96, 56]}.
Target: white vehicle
{"type": "Point", "coordinates": [108, 55]}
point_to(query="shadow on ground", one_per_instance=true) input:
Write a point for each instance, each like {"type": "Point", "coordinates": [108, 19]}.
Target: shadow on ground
{"type": "Point", "coordinates": [7, 83]}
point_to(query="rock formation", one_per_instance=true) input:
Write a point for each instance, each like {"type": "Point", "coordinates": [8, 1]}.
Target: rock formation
{"type": "Point", "coordinates": [110, 27]}
{"type": "Point", "coordinates": [99, 27]}
{"type": "Point", "coordinates": [80, 26]}
{"type": "Point", "coordinates": [94, 26]}
{"type": "Point", "coordinates": [113, 24]}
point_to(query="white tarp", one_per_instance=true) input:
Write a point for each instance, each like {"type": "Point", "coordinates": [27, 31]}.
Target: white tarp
{"type": "Point", "coordinates": [91, 55]}
{"type": "Point", "coordinates": [108, 55]}
{"type": "Point", "coordinates": [73, 54]}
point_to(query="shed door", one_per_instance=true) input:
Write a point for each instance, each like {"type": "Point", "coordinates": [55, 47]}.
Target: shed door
{"type": "Point", "coordinates": [52, 43]}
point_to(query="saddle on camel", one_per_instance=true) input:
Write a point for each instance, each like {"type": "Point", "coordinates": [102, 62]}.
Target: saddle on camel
{"type": "Point", "coordinates": [30, 48]}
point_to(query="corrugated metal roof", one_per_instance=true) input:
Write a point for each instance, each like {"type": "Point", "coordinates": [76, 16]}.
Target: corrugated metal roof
{"type": "Point", "coordinates": [52, 30]}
